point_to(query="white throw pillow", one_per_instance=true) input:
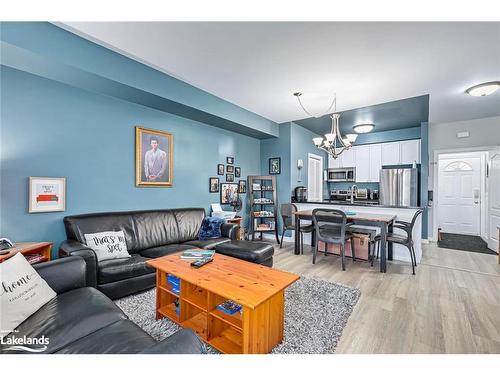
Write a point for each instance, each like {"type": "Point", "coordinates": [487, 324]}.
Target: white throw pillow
{"type": "Point", "coordinates": [23, 292]}
{"type": "Point", "coordinates": [108, 245]}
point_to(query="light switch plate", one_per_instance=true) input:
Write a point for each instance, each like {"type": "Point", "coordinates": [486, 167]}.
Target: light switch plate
{"type": "Point", "coordinates": [462, 134]}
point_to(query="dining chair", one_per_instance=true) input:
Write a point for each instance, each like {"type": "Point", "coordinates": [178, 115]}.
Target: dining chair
{"type": "Point", "coordinates": [288, 211]}
{"type": "Point", "coordinates": [331, 228]}
{"type": "Point", "coordinates": [405, 240]}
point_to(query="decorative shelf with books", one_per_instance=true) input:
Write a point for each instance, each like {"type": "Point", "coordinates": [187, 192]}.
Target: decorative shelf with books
{"type": "Point", "coordinates": [263, 204]}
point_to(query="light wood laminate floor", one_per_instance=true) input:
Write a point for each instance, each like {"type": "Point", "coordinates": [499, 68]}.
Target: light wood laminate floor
{"type": "Point", "coordinates": [452, 305]}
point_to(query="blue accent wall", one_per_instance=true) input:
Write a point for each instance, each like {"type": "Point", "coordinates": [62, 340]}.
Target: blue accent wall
{"type": "Point", "coordinates": [51, 129]}
{"type": "Point", "coordinates": [46, 50]}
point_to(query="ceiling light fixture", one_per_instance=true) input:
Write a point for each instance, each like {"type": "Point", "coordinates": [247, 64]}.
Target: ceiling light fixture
{"type": "Point", "coordinates": [483, 89]}
{"type": "Point", "coordinates": [333, 142]}
{"type": "Point", "coordinates": [363, 128]}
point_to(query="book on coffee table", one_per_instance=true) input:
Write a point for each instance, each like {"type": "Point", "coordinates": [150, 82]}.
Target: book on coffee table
{"type": "Point", "coordinates": [197, 254]}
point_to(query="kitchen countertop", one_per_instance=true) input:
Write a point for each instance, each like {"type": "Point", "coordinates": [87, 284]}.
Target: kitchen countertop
{"type": "Point", "coordinates": [362, 203]}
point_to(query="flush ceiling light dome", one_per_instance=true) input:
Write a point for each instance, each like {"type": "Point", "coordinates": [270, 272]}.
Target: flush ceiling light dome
{"type": "Point", "coordinates": [363, 128]}
{"type": "Point", "coordinates": [483, 89]}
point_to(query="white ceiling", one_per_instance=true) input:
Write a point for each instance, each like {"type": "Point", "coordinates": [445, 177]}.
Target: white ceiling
{"type": "Point", "coordinates": [259, 65]}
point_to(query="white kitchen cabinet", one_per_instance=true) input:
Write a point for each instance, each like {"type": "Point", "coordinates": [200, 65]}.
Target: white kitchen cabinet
{"type": "Point", "coordinates": [409, 151]}
{"type": "Point", "coordinates": [390, 153]}
{"type": "Point", "coordinates": [348, 158]}
{"type": "Point", "coordinates": [334, 163]}
{"type": "Point", "coordinates": [375, 162]}
{"type": "Point", "coordinates": [363, 163]}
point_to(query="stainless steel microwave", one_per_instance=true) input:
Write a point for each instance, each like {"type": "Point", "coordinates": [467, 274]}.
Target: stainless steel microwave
{"type": "Point", "coordinates": [341, 174]}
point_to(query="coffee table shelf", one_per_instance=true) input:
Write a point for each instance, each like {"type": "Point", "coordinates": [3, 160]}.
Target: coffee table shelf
{"type": "Point", "coordinates": [258, 289]}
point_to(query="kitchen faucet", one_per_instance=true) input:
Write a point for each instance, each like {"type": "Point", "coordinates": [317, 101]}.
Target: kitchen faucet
{"type": "Point", "coordinates": [353, 189]}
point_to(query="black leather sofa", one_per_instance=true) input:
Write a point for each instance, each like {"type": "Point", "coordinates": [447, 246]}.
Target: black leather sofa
{"type": "Point", "coordinates": [82, 320]}
{"type": "Point", "coordinates": [149, 234]}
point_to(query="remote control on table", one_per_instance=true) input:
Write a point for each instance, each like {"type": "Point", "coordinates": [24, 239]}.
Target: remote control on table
{"type": "Point", "coordinates": [201, 262]}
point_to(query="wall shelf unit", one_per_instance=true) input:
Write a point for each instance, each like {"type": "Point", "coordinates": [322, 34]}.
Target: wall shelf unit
{"type": "Point", "coordinates": [263, 197]}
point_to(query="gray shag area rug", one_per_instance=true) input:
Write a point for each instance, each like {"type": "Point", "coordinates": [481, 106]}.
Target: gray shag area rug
{"type": "Point", "coordinates": [316, 312]}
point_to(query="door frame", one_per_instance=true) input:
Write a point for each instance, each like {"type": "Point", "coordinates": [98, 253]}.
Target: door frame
{"type": "Point", "coordinates": [320, 158]}
{"type": "Point", "coordinates": [484, 153]}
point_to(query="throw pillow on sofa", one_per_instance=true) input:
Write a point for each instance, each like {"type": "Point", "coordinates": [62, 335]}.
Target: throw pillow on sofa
{"type": "Point", "coordinates": [108, 245]}
{"type": "Point", "coordinates": [211, 228]}
{"type": "Point", "coordinates": [23, 292]}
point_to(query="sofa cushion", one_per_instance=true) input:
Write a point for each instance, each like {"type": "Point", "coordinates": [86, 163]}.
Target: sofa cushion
{"type": "Point", "coordinates": [68, 317]}
{"type": "Point", "coordinates": [207, 244]}
{"type": "Point", "coordinates": [107, 245]}
{"type": "Point", "coordinates": [121, 337]}
{"type": "Point", "coordinates": [124, 268]}
{"type": "Point", "coordinates": [161, 251]}
{"type": "Point", "coordinates": [210, 228]}
{"type": "Point", "coordinates": [155, 228]}
{"type": "Point", "coordinates": [23, 292]}
{"type": "Point", "coordinates": [189, 222]}
{"type": "Point", "coordinates": [255, 252]}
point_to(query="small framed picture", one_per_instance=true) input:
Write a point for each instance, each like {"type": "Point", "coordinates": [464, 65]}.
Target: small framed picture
{"type": "Point", "coordinates": [220, 169]}
{"type": "Point", "coordinates": [242, 186]}
{"type": "Point", "coordinates": [229, 177]}
{"type": "Point", "coordinates": [47, 194]}
{"type": "Point", "coordinates": [213, 184]}
{"type": "Point", "coordinates": [237, 172]}
{"type": "Point", "coordinates": [228, 193]}
{"type": "Point", "coordinates": [230, 169]}
{"type": "Point", "coordinates": [274, 165]}
{"type": "Point", "coordinates": [229, 160]}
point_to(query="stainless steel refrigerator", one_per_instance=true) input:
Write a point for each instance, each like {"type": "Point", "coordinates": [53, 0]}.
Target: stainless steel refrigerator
{"type": "Point", "coordinates": [399, 187]}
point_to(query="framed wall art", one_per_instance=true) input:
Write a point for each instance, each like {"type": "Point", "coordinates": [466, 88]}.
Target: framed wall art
{"type": "Point", "coordinates": [228, 193]}
{"type": "Point", "coordinates": [47, 194]}
{"type": "Point", "coordinates": [229, 160]}
{"type": "Point", "coordinates": [242, 186]}
{"type": "Point", "coordinates": [220, 169]}
{"type": "Point", "coordinates": [229, 177]}
{"type": "Point", "coordinates": [153, 158]}
{"type": "Point", "coordinates": [237, 172]}
{"type": "Point", "coordinates": [230, 169]}
{"type": "Point", "coordinates": [274, 165]}
{"type": "Point", "coordinates": [213, 184]}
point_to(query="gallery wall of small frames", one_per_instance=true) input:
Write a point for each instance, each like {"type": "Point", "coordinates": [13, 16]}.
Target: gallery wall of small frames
{"type": "Point", "coordinates": [232, 172]}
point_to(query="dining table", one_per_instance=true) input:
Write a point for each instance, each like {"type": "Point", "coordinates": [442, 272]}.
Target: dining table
{"type": "Point", "coordinates": [383, 221]}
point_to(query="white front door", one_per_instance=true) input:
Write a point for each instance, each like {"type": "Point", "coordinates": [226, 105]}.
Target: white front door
{"type": "Point", "coordinates": [459, 195]}
{"type": "Point", "coordinates": [314, 178]}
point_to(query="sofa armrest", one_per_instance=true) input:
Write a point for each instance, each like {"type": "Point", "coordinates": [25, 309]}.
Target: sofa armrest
{"type": "Point", "coordinates": [63, 274]}
{"type": "Point", "coordinates": [184, 341]}
{"type": "Point", "coordinates": [75, 248]}
{"type": "Point", "coordinates": [229, 230]}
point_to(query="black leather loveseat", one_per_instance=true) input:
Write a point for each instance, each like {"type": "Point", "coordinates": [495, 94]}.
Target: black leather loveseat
{"type": "Point", "coordinates": [82, 320]}
{"type": "Point", "coordinates": [148, 234]}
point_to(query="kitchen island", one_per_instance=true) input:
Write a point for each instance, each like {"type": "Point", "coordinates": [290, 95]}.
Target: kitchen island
{"type": "Point", "coordinates": [399, 252]}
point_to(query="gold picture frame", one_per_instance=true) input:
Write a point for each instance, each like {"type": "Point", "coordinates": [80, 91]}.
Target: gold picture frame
{"type": "Point", "coordinates": [153, 158]}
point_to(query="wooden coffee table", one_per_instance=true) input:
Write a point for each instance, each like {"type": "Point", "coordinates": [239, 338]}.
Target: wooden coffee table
{"type": "Point", "coordinates": [259, 289]}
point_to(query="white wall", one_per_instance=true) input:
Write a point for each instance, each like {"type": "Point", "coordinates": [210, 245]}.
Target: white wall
{"type": "Point", "coordinates": [483, 133]}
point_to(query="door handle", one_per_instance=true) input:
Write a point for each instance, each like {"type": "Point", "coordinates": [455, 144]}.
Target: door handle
{"type": "Point", "coordinates": [476, 196]}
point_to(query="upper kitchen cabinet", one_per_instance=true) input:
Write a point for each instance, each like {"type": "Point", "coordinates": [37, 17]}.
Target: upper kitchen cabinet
{"type": "Point", "coordinates": [403, 152]}
{"type": "Point", "coordinates": [409, 151]}
{"type": "Point", "coordinates": [375, 162]}
{"type": "Point", "coordinates": [390, 153]}
{"type": "Point", "coordinates": [345, 160]}
{"type": "Point", "coordinates": [348, 158]}
{"type": "Point", "coordinates": [363, 163]}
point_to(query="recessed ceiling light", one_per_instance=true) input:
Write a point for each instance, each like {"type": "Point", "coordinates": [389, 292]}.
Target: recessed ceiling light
{"type": "Point", "coordinates": [483, 89]}
{"type": "Point", "coordinates": [363, 128]}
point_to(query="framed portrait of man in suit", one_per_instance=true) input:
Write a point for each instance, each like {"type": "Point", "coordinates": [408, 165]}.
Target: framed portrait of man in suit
{"type": "Point", "coordinates": [153, 158]}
